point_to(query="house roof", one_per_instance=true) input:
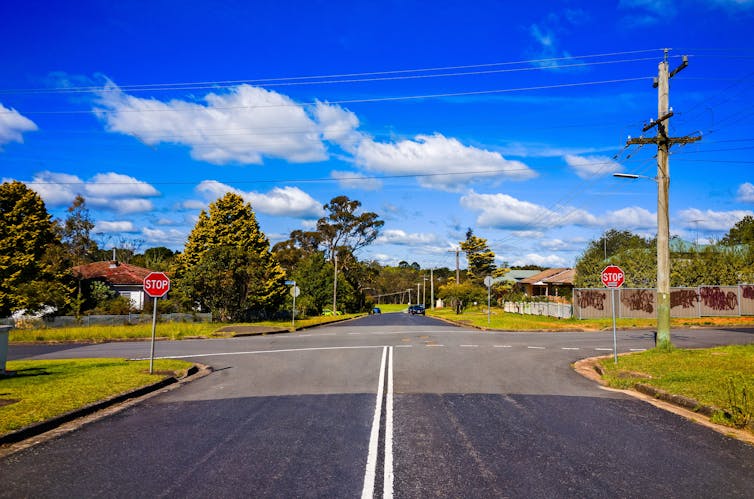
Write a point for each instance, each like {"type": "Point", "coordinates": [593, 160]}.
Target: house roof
{"type": "Point", "coordinates": [551, 276]}
{"type": "Point", "coordinates": [516, 275]}
{"type": "Point", "coordinates": [113, 272]}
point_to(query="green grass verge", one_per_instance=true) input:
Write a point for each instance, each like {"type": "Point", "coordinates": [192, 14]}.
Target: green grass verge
{"type": "Point", "coordinates": [388, 308]}
{"type": "Point", "coordinates": [44, 389]}
{"type": "Point", "coordinates": [722, 377]}
{"type": "Point", "coordinates": [171, 330]}
{"type": "Point", "coordinates": [477, 316]}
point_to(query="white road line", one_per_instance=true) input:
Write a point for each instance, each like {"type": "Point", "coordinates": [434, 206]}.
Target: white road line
{"type": "Point", "coordinates": [254, 352]}
{"type": "Point", "coordinates": [638, 349]}
{"type": "Point", "coordinates": [404, 346]}
{"type": "Point", "coordinates": [371, 469]}
{"type": "Point", "coordinates": [387, 486]}
{"type": "Point", "coordinates": [569, 348]}
{"type": "Point", "coordinates": [469, 346]}
{"type": "Point", "coordinates": [536, 348]}
{"type": "Point", "coordinates": [604, 349]}
{"type": "Point", "coordinates": [435, 345]}
{"type": "Point", "coordinates": [353, 333]}
{"type": "Point", "coordinates": [502, 346]}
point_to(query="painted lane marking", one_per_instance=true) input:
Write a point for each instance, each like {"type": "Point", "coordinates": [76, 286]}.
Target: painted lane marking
{"type": "Point", "coordinates": [604, 349]}
{"type": "Point", "coordinates": [387, 486]}
{"type": "Point", "coordinates": [638, 350]}
{"type": "Point", "coordinates": [434, 345]}
{"type": "Point", "coordinates": [353, 333]}
{"type": "Point", "coordinates": [537, 348]}
{"type": "Point", "coordinates": [469, 346]}
{"type": "Point", "coordinates": [502, 346]}
{"type": "Point", "coordinates": [570, 348]}
{"type": "Point", "coordinates": [374, 438]}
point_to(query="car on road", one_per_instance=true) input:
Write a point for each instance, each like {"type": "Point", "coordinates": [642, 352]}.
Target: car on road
{"type": "Point", "coordinates": [416, 309]}
{"type": "Point", "coordinates": [376, 310]}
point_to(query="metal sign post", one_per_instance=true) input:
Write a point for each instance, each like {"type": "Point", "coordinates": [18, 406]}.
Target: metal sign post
{"type": "Point", "coordinates": [613, 277]}
{"type": "Point", "coordinates": [488, 283]}
{"type": "Point", "coordinates": [295, 291]}
{"type": "Point", "coordinates": [156, 285]}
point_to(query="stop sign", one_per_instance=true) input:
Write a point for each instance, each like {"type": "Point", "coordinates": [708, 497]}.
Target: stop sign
{"type": "Point", "coordinates": [156, 284]}
{"type": "Point", "coordinates": [612, 276]}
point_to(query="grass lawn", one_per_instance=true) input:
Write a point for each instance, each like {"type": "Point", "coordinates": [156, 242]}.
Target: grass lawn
{"type": "Point", "coordinates": [42, 389]}
{"type": "Point", "coordinates": [477, 316]}
{"type": "Point", "coordinates": [722, 377]}
{"type": "Point", "coordinates": [170, 330]}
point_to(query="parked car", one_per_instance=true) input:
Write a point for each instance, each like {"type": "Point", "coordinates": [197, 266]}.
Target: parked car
{"type": "Point", "coordinates": [416, 309]}
{"type": "Point", "coordinates": [376, 310]}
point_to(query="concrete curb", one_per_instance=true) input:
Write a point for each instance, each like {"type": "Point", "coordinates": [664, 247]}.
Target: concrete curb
{"type": "Point", "coordinates": [299, 328]}
{"type": "Point", "coordinates": [194, 372]}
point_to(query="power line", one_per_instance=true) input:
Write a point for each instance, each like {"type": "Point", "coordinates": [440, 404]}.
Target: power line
{"type": "Point", "coordinates": [268, 81]}
{"type": "Point", "coordinates": [358, 101]}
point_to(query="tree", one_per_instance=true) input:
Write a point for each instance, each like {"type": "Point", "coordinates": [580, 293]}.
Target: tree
{"type": "Point", "coordinates": [34, 270]}
{"type": "Point", "coordinates": [741, 233]}
{"type": "Point", "coordinates": [343, 227]}
{"type": "Point", "coordinates": [635, 251]}
{"type": "Point", "coordinates": [77, 228]}
{"type": "Point", "coordinates": [462, 295]}
{"type": "Point", "coordinates": [227, 265]}
{"type": "Point", "coordinates": [481, 259]}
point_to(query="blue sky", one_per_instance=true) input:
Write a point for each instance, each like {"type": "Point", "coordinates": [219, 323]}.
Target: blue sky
{"type": "Point", "coordinates": [505, 117]}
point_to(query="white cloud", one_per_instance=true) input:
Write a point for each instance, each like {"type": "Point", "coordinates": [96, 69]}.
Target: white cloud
{"type": "Point", "coordinates": [528, 234]}
{"type": "Point", "coordinates": [118, 226]}
{"type": "Point", "coordinates": [355, 180]}
{"type": "Point", "coordinates": [506, 212]}
{"type": "Point", "coordinates": [280, 201]}
{"type": "Point", "coordinates": [402, 238]}
{"type": "Point", "coordinates": [555, 244]}
{"type": "Point", "coordinates": [338, 125]}
{"type": "Point", "coordinates": [243, 125]}
{"type": "Point", "coordinates": [108, 191]}
{"type": "Point", "coordinates": [712, 220]}
{"type": "Point", "coordinates": [631, 217]}
{"type": "Point", "coordinates": [746, 193]}
{"type": "Point", "coordinates": [172, 237]}
{"type": "Point", "coordinates": [192, 204]}
{"type": "Point", "coordinates": [592, 166]}
{"type": "Point", "coordinates": [541, 260]}
{"type": "Point", "coordinates": [12, 125]}
{"type": "Point", "coordinates": [449, 163]}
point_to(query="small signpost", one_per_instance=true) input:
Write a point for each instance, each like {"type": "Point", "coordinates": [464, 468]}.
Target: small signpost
{"type": "Point", "coordinates": [295, 291]}
{"type": "Point", "coordinates": [156, 285]}
{"type": "Point", "coordinates": [488, 283]}
{"type": "Point", "coordinates": [613, 277]}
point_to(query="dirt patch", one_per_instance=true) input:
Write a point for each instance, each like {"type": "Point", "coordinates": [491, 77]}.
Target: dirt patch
{"type": "Point", "coordinates": [4, 402]}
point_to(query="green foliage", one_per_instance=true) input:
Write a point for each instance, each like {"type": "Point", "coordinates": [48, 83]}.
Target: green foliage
{"type": "Point", "coordinates": [76, 233]}
{"type": "Point", "coordinates": [462, 295]}
{"type": "Point", "coordinates": [741, 233]}
{"type": "Point", "coordinates": [342, 227]}
{"type": "Point", "coordinates": [314, 276]}
{"type": "Point", "coordinates": [740, 408]}
{"type": "Point", "coordinates": [34, 269]}
{"type": "Point", "coordinates": [631, 252]}
{"type": "Point", "coordinates": [227, 266]}
{"type": "Point", "coordinates": [481, 259]}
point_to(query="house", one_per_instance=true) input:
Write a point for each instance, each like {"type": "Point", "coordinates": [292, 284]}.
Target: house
{"type": "Point", "coordinates": [515, 276]}
{"type": "Point", "coordinates": [125, 279]}
{"type": "Point", "coordinates": [550, 282]}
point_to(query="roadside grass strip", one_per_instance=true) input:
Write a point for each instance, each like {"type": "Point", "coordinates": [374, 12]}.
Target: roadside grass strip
{"type": "Point", "coordinates": [169, 330]}
{"type": "Point", "coordinates": [508, 321]}
{"type": "Point", "coordinates": [42, 389]}
{"type": "Point", "coordinates": [721, 377]}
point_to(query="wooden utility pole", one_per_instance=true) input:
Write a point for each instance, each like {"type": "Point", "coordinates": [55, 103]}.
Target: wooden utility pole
{"type": "Point", "coordinates": [335, 284]}
{"type": "Point", "coordinates": [663, 142]}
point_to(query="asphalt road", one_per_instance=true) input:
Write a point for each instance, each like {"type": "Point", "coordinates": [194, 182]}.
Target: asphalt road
{"type": "Point", "coordinates": [390, 405]}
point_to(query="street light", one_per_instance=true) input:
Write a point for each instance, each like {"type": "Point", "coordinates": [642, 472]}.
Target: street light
{"type": "Point", "coordinates": [663, 253]}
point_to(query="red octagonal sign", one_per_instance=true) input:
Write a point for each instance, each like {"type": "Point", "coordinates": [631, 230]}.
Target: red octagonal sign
{"type": "Point", "coordinates": [156, 284]}
{"type": "Point", "coordinates": [612, 276]}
